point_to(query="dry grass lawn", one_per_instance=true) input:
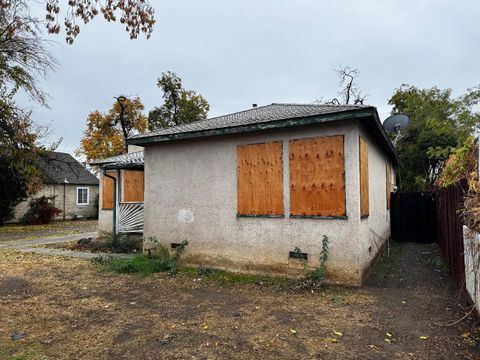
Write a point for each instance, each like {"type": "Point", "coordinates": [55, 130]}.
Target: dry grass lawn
{"type": "Point", "coordinates": [57, 228]}
{"type": "Point", "coordinates": [72, 309]}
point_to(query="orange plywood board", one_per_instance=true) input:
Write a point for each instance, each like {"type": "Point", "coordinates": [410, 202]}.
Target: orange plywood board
{"type": "Point", "coordinates": [317, 176]}
{"type": "Point", "coordinates": [260, 179]}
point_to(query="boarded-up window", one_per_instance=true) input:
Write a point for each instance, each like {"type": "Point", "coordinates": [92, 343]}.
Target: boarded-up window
{"type": "Point", "coordinates": [107, 190]}
{"type": "Point", "coordinates": [133, 186]}
{"type": "Point", "coordinates": [317, 181]}
{"type": "Point", "coordinates": [364, 201]}
{"type": "Point", "coordinates": [260, 179]}
{"type": "Point", "coordinates": [388, 183]}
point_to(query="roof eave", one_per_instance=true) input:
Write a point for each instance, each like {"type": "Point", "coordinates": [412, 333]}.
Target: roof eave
{"type": "Point", "coordinates": [389, 143]}
{"type": "Point", "coordinates": [111, 166]}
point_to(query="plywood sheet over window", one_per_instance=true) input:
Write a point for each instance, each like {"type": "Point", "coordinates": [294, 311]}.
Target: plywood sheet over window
{"type": "Point", "coordinates": [133, 186]}
{"type": "Point", "coordinates": [260, 179]}
{"type": "Point", "coordinates": [388, 182]}
{"type": "Point", "coordinates": [364, 196]}
{"type": "Point", "coordinates": [317, 181]}
{"type": "Point", "coordinates": [107, 190]}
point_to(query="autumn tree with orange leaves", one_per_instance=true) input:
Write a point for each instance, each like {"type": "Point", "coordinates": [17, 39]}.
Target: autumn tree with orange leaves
{"type": "Point", "coordinates": [106, 132]}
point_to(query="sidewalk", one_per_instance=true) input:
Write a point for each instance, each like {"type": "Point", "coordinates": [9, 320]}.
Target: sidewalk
{"type": "Point", "coordinates": [33, 246]}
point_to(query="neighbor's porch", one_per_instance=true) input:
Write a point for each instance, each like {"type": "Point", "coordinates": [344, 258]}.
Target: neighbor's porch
{"type": "Point", "coordinates": [123, 195]}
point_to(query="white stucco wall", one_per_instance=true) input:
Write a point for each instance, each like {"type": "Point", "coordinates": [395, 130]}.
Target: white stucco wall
{"type": "Point", "coordinates": [471, 242]}
{"type": "Point", "coordinates": [191, 194]}
{"type": "Point", "coordinates": [375, 229]}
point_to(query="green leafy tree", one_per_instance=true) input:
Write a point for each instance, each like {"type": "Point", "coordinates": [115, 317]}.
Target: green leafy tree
{"type": "Point", "coordinates": [19, 149]}
{"type": "Point", "coordinates": [23, 59]}
{"type": "Point", "coordinates": [180, 106]}
{"type": "Point", "coordinates": [439, 123]}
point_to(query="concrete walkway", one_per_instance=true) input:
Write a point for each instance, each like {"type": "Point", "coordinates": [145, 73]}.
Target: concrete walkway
{"type": "Point", "coordinates": [32, 246]}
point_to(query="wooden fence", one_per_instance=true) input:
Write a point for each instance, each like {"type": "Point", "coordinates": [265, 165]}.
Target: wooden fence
{"type": "Point", "coordinates": [449, 203]}
{"type": "Point", "coordinates": [433, 216]}
{"type": "Point", "coordinates": [413, 217]}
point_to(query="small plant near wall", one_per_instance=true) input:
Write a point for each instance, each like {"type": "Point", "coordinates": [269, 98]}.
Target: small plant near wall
{"type": "Point", "coordinates": [316, 278]}
{"type": "Point", "coordinates": [318, 275]}
{"type": "Point", "coordinates": [157, 259]}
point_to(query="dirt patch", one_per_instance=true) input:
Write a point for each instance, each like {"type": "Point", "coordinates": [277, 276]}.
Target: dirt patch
{"type": "Point", "coordinates": [102, 244]}
{"type": "Point", "coordinates": [86, 313]}
{"type": "Point", "coordinates": [15, 288]}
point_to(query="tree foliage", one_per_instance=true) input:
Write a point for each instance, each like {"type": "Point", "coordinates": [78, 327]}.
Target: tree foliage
{"type": "Point", "coordinates": [23, 55]}
{"type": "Point", "coordinates": [180, 106]}
{"type": "Point", "coordinates": [138, 16]}
{"type": "Point", "coordinates": [23, 59]}
{"type": "Point", "coordinates": [439, 123]}
{"type": "Point", "coordinates": [461, 164]}
{"type": "Point", "coordinates": [106, 132]}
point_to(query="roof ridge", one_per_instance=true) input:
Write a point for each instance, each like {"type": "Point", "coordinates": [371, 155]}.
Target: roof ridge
{"type": "Point", "coordinates": [326, 105]}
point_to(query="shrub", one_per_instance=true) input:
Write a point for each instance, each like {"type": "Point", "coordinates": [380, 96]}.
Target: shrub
{"type": "Point", "coordinates": [41, 211]}
{"type": "Point", "coordinates": [159, 261]}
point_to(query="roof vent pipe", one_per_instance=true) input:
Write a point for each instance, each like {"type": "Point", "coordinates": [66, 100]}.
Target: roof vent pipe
{"type": "Point", "coordinates": [254, 105]}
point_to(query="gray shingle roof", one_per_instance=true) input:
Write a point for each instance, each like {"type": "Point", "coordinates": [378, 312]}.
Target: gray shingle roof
{"type": "Point", "coordinates": [256, 115]}
{"type": "Point", "coordinates": [271, 117]}
{"type": "Point", "coordinates": [123, 160]}
{"type": "Point", "coordinates": [58, 166]}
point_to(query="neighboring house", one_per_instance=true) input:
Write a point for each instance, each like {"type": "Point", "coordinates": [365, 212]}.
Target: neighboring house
{"type": "Point", "coordinates": [255, 190]}
{"type": "Point", "coordinates": [74, 188]}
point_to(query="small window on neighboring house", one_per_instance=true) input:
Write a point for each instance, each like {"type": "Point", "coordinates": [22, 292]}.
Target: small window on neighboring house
{"type": "Point", "coordinates": [260, 179]}
{"type": "Point", "coordinates": [82, 195]}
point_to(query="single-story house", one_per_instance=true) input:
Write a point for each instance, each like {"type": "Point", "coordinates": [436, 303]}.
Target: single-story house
{"type": "Point", "coordinates": [74, 188]}
{"type": "Point", "coordinates": [251, 190]}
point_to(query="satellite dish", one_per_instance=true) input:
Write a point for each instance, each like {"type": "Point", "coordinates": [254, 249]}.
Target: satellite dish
{"type": "Point", "coordinates": [395, 124]}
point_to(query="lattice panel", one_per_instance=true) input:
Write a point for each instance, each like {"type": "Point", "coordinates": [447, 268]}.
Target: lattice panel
{"type": "Point", "coordinates": [130, 217]}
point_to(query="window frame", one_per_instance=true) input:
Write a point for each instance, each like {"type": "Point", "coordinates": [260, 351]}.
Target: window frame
{"type": "Point", "coordinates": [88, 196]}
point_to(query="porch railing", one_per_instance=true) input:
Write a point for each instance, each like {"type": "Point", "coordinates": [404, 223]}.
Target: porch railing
{"type": "Point", "coordinates": [130, 217]}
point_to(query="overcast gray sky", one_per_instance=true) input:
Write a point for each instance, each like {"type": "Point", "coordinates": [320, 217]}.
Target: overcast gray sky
{"type": "Point", "coordinates": [239, 52]}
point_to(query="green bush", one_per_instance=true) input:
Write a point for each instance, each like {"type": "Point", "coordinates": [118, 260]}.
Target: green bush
{"type": "Point", "coordinates": [161, 261]}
